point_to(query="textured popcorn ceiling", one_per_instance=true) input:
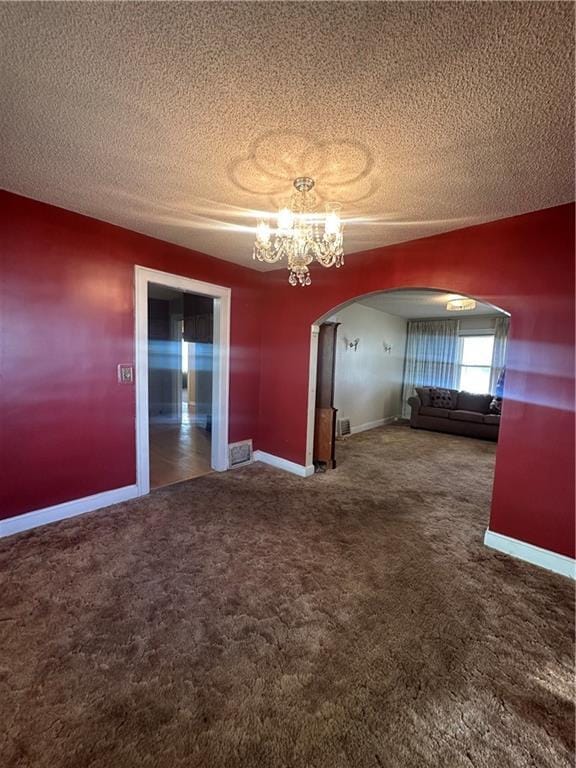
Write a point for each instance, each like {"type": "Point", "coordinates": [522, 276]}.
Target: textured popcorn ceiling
{"type": "Point", "coordinates": [181, 120]}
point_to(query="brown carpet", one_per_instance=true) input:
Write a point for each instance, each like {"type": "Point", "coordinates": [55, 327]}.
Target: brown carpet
{"type": "Point", "coordinates": [351, 620]}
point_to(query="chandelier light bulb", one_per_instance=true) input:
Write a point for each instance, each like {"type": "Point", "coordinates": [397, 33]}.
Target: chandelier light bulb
{"type": "Point", "coordinates": [263, 232]}
{"type": "Point", "coordinates": [285, 220]}
{"type": "Point", "coordinates": [332, 223]}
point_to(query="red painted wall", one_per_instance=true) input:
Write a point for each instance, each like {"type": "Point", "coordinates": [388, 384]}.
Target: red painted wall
{"type": "Point", "coordinates": [524, 265]}
{"type": "Point", "coordinates": [67, 429]}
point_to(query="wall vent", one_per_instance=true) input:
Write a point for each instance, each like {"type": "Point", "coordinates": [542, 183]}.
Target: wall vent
{"type": "Point", "coordinates": [343, 427]}
{"type": "Point", "coordinates": [239, 454]}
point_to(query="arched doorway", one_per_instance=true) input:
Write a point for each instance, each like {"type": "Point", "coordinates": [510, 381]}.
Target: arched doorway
{"type": "Point", "coordinates": [475, 359]}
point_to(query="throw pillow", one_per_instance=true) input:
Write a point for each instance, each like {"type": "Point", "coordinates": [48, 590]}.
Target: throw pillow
{"type": "Point", "coordinates": [424, 395]}
{"type": "Point", "coordinates": [441, 398]}
{"type": "Point", "coordinates": [496, 406]}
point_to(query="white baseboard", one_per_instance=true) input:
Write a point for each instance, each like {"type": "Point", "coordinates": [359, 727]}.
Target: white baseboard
{"type": "Point", "coordinates": [373, 424]}
{"type": "Point", "coordinates": [68, 509]}
{"type": "Point", "coordinates": [289, 466]}
{"type": "Point", "coordinates": [543, 558]}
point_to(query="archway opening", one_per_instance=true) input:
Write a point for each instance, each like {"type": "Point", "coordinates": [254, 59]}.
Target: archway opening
{"type": "Point", "coordinates": [422, 363]}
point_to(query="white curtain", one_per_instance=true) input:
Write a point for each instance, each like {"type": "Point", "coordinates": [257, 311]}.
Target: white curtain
{"type": "Point", "coordinates": [431, 357]}
{"type": "Point", "coordinates": [501, 327]}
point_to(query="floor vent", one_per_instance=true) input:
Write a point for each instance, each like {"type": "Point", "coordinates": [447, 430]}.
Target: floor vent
{"type": "Point", "coordinates": [343, 427]}
{"type": "Point", "coordinates": [240, 454]}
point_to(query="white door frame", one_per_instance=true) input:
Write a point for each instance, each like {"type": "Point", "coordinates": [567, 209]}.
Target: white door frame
{"type": "Point", "coordinates": [312, 375]}
{"type": "Point", "coordinates": [220, 383]}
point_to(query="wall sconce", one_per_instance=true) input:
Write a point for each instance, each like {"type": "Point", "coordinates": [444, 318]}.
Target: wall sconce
{"type": "Point", "coordinates": [352, 344]}
{"type": "Point", "coordinates": [387, 347]}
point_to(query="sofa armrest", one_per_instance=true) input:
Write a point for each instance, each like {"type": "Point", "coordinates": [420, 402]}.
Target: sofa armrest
{"type": "Point", "coordinates": [415, 404]}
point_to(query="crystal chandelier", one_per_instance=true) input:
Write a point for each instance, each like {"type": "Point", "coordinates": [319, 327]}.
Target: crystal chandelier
{"type": "Point", "coordinates": [298, 235]}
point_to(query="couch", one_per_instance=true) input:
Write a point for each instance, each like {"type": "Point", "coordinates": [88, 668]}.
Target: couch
{"type": "Point", "coordinates": [459, 413]}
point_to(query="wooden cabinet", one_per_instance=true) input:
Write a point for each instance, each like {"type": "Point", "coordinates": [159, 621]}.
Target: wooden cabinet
{"type": "Point", "coordinates": [325, 418]}
{"type": "Point", "coordinates": [324, 436]}
{"type": "Point", "coordinates": [198, 318]}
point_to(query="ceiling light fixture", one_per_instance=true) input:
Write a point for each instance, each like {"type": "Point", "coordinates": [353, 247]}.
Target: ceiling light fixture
{"type": "Point", "coordinates": [460, 305]}
{"type": "Point", "coordinates": [298, 235]}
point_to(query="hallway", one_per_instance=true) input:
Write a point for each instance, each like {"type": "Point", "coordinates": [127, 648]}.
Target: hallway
{"type": "Point", "coordinates": [178, 451]}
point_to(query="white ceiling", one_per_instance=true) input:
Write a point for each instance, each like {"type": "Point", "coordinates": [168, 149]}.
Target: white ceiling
{"type": "Point", "coordinates": [416, 305]}
{"type": "Point", "coordinates": [181, 120]}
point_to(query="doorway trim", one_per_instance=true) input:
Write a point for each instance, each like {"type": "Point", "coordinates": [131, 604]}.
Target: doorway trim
{"type": "Point", "coordinates": [221, 365]}
{"type": "Point", "coordinates": [312, 376]}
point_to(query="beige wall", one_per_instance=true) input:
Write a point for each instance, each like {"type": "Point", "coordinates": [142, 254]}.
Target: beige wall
{"type": "Point", "coordinates": [368, 382]}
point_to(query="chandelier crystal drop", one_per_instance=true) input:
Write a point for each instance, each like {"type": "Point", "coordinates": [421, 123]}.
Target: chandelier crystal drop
{"type": "Point", "coordinates": [302, 235]}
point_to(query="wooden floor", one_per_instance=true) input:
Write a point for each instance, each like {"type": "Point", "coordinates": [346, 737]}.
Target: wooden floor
{"type": "Point", "coordinates": [178, 451]}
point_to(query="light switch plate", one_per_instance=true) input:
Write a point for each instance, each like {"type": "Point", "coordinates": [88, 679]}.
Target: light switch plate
{"type": "Point", "coordinates": [125, 374]}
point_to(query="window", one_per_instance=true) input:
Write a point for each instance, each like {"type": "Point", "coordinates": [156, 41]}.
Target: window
{"type": "Point", "coordinates": [476, 363]}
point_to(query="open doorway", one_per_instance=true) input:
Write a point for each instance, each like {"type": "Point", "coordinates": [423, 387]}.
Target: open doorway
{"type": "Point", "coordinates": [387, 350]}
{"type": "Point", "coordinates": [180, 355]}
{"type": "Point", "coordinates": [182, 361]}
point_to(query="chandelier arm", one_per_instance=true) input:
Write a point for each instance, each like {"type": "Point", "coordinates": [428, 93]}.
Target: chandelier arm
{"type": "Point", "coordinates": [267, 255]}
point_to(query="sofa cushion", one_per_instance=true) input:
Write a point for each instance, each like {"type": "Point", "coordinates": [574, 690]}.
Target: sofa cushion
{"type": "Point", "coordinates": [461, 415]}
{"type": "Point", "coordinates": [491, 418]}
{"type": "Point", "coordinates": [439, 413]}
{"type": "Point", "coordinates": [468, 401]}
{"type": "Point", "coordinates": [443, 398]}
{"type": "Point", "coordinates": [424, 395]}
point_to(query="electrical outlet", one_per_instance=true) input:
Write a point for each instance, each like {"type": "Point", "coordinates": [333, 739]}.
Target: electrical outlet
{"type": "Point", "coordinates": [125, 374]}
